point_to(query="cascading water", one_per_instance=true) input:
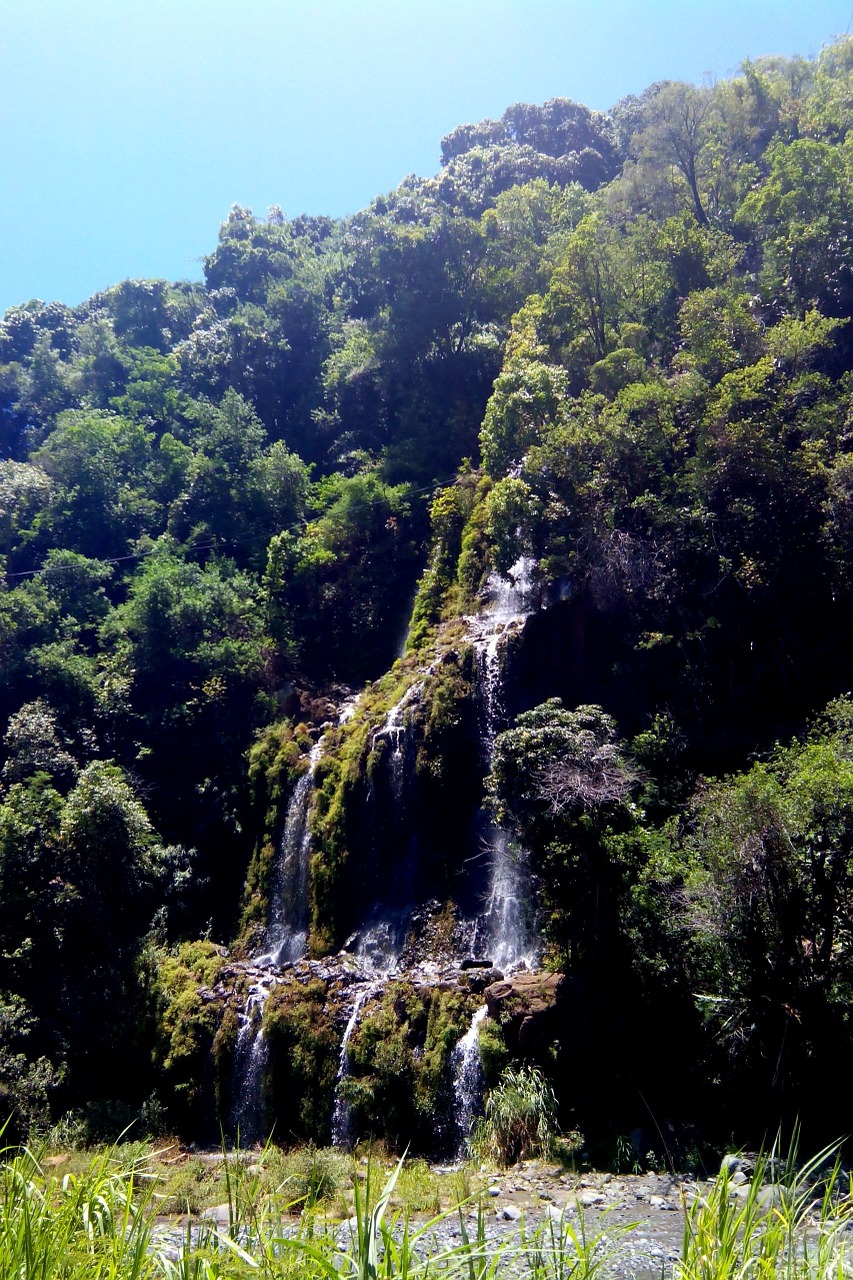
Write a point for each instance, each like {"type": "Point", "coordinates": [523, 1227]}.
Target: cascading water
{"type": "Point", "coordinates": [342, 1112]}
{"type": "Point", "coordinates": [287, 932]}
{"type": "Point", "coordinates": [392, 881]}
{"type": "Point", "coordinates": [250, 1056]}
{"type": "Point", "coordinates": [393, 731]}
{"type": "Point", "coordinates": [287, 938]}
{"type": "Point", "coordinates": [467, 1078]}
{"type": "Point", "coordinates": [503, 929]}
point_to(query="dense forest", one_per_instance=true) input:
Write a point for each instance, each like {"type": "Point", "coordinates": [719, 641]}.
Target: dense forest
{"type": "Point", "coordinates": [616, 348]}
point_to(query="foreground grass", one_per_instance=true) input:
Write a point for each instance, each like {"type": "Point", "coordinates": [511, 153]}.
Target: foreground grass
{"type": "Point", "coordinates": [63, 1218]}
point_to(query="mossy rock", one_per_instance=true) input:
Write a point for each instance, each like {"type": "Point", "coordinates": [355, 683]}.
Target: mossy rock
{"type": "Point", "coordinates": [189, 1012]}
{"type": "Point", "coordinates": [399, 1086]}
{"type": "Point", "coordinates": [303, 1035]}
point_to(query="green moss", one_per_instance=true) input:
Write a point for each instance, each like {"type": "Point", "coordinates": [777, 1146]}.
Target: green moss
{"type": "Point", "coordinates": [447, 706]}
{"type": "Point", "coordinates": [494, 1054]}
{"type": "Point", "coordinates": [438, 596]}
{"type": "Point", "coordinates": [277, 759]}
{"type": "Point", "coordinates": [304, 1042]}
{"type": "Point", "coordinates": [474, 562]}
{"type": "Point", "coordinates": [399, 1082]}
{"type": "Point", "coordinates": [341, 776]}
{"type": "Point", "coordinates": [224, 1045]}
{"type": "Point", "coordinates": [187, 1022]}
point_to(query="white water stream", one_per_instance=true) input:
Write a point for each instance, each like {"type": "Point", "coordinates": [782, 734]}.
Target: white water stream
{"type": "Point", "coordinates": [467, 1077]}
{"type": "Point", "coordinates": [287, 931]}
{"type": "Point", "coordinates": [504, 929]}
{"type": "Point", "coordinates": [287, 942]}
{"type": "Point", "coordinates": [342, 1112]}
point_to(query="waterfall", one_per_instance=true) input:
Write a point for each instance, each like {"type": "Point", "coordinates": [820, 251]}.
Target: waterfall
{"type": "Point", "coordinates": [503, 930]}
{"type": "Point", "coordinates": [342, 1112]}
{"type": "Point", "coordinates": [394, 731]}
{"type": "Point", "coordinates": [287, 939]}
{"type": "Point", "coordinates": [467, 1078]}
{"type": "Point", "coordinates": [287, 932]}
{"type": "Point", "coordinates": [250, 1058]}
{"type": "Point", "coordinates": [392, 872]}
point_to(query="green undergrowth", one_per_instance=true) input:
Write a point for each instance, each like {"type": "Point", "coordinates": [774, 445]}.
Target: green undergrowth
{"type": "Point", "coordinates": [457, 560]}
{"type": "Point", "coordinates": [187, 1024]}
{"type": "Point", "coordinates": [304, 1044]}
{"type": "Point", "coordinates": [105, 1215]}
{"type": "Point", "coordinates": [520, 1118]}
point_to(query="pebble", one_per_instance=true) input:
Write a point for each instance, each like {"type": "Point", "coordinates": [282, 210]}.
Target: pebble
{"type": "Point", "coordinates": [494, 1191]}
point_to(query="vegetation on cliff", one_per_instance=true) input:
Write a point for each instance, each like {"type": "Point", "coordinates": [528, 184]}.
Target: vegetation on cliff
{"type": "Point", "coordinates": [618, 345]}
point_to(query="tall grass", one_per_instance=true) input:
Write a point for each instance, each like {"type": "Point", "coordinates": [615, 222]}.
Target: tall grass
{"type": "Point", "coordinates": [102, 1224]}
{"type": "Point", "coordinates": [787, 1221]}
{"type": "Point", "coordinates": [97, 1224]}
{"type": "Point", "coordinates": [520, 1117]}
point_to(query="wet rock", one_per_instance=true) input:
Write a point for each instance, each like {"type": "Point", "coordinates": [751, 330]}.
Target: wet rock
{"type": "Point", "coordinates": [476, 980]}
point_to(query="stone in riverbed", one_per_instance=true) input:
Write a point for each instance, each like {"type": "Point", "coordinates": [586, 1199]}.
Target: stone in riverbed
{"type": "Point", "coordinates": [509, 1213]}
{"type": "Point", "coordinates": [220, 1213]}
{"type": "Point", "coordinates": [589, 1198]}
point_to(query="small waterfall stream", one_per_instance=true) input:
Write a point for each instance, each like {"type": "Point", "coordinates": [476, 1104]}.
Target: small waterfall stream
{"type": "Point", "coordinates": [287, 942]}
{"type": "Point", "coordinates": [250, 1056]}
{"type": "Point", "coordinates": [287, 931]}
{"type": "Point", "coordinates": [503, 929]}
{"type": "Point", "coordinates": [342, 1113]}
{"type": "Point", "coordinates": [467, 1078]}
{"type": "Point", "coordinates": [394, 733]}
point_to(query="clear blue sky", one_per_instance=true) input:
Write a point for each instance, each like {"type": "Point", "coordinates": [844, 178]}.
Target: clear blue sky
{"type": "Point", "coordinates": [129, 127]}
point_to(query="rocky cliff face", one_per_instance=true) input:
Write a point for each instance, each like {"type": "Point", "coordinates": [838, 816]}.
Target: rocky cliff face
{"type": "Point", "coordinates": [413, 903]}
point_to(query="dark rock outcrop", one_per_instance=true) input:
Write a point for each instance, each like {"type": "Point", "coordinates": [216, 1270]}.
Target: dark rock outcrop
{"type": "Point", "coordinates": [526, 1007]}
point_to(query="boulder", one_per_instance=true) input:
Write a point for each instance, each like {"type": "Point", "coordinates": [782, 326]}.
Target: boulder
{"type": "Point", "coordinates": [525, 1003]}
